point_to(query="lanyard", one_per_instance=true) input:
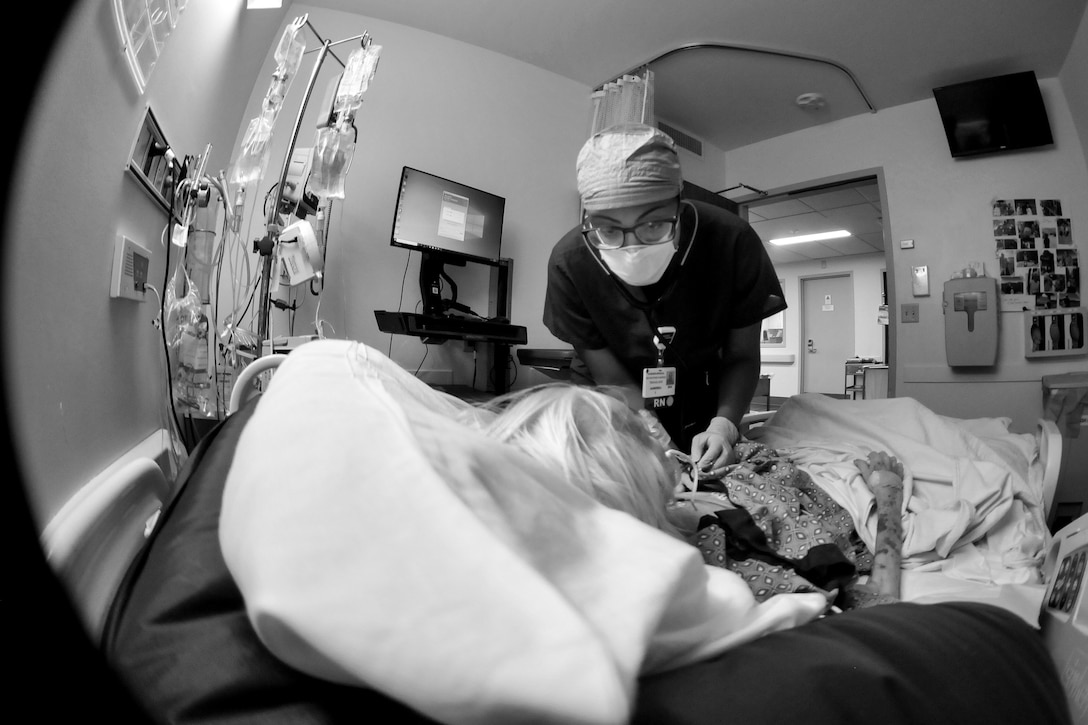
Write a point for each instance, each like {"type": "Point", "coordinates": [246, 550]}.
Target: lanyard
{"type": "Point", "coordinates": [662, 339]}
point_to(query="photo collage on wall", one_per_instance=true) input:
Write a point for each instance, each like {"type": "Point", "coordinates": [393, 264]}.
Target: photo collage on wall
{"type": "Point", "coordinates": [1040, 269]}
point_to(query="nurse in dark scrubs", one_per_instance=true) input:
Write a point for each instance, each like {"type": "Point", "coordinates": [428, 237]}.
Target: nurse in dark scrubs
{"type": "Point", "coordinates": [661, 296]}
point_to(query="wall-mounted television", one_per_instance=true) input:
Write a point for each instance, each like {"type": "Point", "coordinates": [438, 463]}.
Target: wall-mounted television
{"type": "Point", "coordinates": [441, 216]}
{"type": "Point", "coordinates": [1002, 113]}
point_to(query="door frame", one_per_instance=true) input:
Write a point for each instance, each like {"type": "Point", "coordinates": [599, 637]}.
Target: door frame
{"type": "Point", "coordinates": [820, 184]}
{"type": "Point", "coordinates": [802, 346]}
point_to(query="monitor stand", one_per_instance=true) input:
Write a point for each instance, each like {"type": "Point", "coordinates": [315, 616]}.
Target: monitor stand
{"type": "Point", "coordinates": [431, 273]}
{"type": "Point", "coordinates": [495, 355]}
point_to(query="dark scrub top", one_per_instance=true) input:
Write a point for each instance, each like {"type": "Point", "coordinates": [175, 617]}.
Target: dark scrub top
{"type": "Point", "coordinates": [727, 282]}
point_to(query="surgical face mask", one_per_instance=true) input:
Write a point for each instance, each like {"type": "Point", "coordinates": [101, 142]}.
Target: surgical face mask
{"type": "Point", "coordinates": [639, 265]}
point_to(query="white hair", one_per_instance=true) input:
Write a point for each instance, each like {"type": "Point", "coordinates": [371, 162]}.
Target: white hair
{"type": "Point", "coordinates": [596, 440]}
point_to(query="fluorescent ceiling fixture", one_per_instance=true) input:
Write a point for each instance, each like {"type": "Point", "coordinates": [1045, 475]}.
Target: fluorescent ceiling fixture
{"type": "Point", "coordinates": [837, 234]}
{"type": "Point", "coordinates": [258, 4]}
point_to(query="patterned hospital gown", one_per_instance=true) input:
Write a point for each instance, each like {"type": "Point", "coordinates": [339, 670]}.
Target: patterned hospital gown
{"type": "Point", "coordinates": [794, 516]}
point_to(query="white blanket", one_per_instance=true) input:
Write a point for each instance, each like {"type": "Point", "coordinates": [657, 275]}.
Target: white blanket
{"type": "Point", "coordinates": [973, 512]}
{"type": "Point", "coordinates": [379, 542]}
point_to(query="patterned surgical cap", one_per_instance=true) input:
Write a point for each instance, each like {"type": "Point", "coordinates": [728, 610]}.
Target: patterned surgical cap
{"type": "Point", "coordinates": [628, 165]}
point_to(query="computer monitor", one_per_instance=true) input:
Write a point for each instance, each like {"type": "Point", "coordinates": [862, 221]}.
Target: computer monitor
{"type": "Point", "coordinates": [449, 223]}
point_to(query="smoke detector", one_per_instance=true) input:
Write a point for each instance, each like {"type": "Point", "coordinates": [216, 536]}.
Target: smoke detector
{"type": "Point", "coordinates": [811, 101]}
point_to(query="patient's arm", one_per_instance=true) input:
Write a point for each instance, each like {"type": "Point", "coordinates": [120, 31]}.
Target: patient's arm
{"type": "Point", "coordinates": [884, 476]}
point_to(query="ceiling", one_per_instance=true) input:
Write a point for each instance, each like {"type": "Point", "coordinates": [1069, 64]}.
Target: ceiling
{"type": "Point", "coordinates": [729, 72]}
{"type": "Point", "coordinates": [854, 207]}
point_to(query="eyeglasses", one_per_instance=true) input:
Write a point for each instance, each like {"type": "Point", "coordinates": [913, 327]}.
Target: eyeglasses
{"type": "Point", "coordinates": [654, 231]}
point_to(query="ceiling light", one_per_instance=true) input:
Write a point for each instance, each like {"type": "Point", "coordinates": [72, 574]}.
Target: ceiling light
{"type": "Point", "coordinates": [837, 234]}
{"type": "Point", "coordinates": [259, 4]}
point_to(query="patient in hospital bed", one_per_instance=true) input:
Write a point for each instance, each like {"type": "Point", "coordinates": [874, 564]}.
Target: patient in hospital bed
{"type": "Point", "coordinates": [764, 519]}
{"type": "Point", "coordinates": [381, 541]}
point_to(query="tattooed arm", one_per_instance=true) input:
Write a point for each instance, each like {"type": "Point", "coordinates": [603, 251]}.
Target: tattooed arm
{"type": "Point", "coordinates": [884, 476]}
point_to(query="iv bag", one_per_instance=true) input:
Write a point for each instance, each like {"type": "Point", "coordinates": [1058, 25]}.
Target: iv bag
{"type": "Point", "coordinates": [187, 339]}
{"type": "Point", "coordinates": [333, 151]}
{"type": "Point", "coordinates": [253, 156]}
{"type": "Point", "coordinates": [334, 145]}
{"type": "Point", "coordinates": [290, 49]}
{"type": "Point", "coordinates": [360, 68]}
{"type": "Point", "coordinates": [288, 59]}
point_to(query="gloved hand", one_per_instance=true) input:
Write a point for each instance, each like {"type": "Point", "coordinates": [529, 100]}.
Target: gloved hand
{"type": "Point", "coordinates": [712, 450]}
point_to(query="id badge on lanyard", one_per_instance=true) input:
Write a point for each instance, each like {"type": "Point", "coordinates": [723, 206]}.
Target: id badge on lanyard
{"type": "Point", "coordinates": [659, 383]}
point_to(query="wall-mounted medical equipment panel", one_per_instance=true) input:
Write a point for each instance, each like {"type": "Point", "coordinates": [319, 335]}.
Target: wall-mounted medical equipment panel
{"type": "Point", "coordinates": [153, 163]}
{"type": "Point", "coordinates": [130, 264]}
{"type": "Point", "coordinates": [970, 321]}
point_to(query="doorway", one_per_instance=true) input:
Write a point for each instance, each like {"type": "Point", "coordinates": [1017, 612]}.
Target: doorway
{"type": "Point", "coordinates": [827, 327]}
{"type": "Point", "coordinates": [855, 202]}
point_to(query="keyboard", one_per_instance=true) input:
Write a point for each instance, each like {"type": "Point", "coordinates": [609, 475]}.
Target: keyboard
{"type": "Point", "coordinates": [441, 328]}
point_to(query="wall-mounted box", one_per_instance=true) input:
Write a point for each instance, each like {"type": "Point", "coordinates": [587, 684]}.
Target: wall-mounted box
{"type": "Point", "coordinates": [131, 262]}
{"type": "Point", "coordinates": [970, 321]}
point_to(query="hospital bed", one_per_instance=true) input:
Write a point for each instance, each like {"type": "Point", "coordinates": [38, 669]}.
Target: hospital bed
{"type": "Point", "coordinates": [172, 619]}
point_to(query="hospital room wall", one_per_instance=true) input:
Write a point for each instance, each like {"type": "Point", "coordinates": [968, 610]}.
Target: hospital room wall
{"type": "Point", "coordinates": [944, 205]}
{"type": "Point", "coordinates": [83, 375]}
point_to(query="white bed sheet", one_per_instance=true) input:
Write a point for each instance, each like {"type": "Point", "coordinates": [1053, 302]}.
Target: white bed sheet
{"type": "Point", "coordinates": [974, 521]}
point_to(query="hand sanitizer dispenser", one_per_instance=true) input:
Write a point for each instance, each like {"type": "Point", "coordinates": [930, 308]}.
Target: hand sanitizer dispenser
{"type": "Point", "coordinates": [970, 321]}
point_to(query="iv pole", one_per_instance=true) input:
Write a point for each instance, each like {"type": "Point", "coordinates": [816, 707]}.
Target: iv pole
{"type": "Point", "coordinates": [269, 241]}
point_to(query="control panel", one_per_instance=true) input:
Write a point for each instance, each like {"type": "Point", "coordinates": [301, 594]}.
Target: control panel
{"type": "Point", "coordinates": [130, 265]}
{"type": "Point", "coordinates": [1067, 582]}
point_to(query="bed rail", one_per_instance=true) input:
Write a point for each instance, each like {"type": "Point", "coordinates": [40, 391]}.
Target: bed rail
{"type": "Point", "coordinates": [1050, 455]}
{"type": "Point", "coordinates": [754, 419]}
{"type": "Point", "coordinates": [95, 535]}
{"type": "Point", "coordinates": [245, 385]}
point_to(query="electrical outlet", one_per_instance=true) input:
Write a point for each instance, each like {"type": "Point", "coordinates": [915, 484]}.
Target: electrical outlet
{"type": "Point", "coordinates": [909, 312]}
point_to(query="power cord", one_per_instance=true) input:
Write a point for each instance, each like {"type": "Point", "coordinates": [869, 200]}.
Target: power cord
{"type": "Point", "coordinates": [426, 351]}
{"type": "Point", "coordinates": [400, 300]}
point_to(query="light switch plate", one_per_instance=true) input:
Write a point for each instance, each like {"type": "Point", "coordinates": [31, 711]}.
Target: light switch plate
{"type": "Point", "coordinates": [919, 281]}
